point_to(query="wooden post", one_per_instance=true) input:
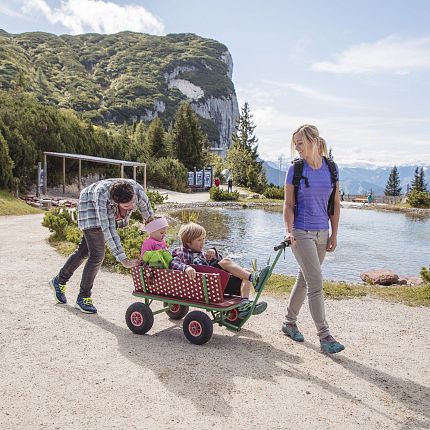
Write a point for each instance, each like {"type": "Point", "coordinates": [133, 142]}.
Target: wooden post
{"type": "Point", "coordinates": [122, 170]}
{"type": "Point", "coordinates": [144, 177]}
{"type": "Point", "coordinates": [45, 174]}
{"type": "Point", "coordinates": [64, 175]}
{"type": "Point", "coordinates": [80, 175]}
{"type": "Point", "coordinates": [134, 172]}
{"type": "Point", "coordinates": [39, 171]}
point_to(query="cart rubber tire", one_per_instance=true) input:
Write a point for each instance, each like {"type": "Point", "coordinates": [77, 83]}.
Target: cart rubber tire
{"type": "Point", "coordinates": [176, 312]}
{"type": "Point", "coordinates": [139, 318]}
{"type": "Point", "coordinates": [233, 316]}
{"type": "Point", "coordinates": [198, 327]}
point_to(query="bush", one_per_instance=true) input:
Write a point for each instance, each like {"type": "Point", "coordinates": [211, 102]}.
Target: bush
{"type": "Point", "coordinates": [57, 220]}
{"type": "Point", "coordinates": [219, 195]}
{"type": "Point", "coordinates": [274, 192]}
{"type": "Point", "coordinates": [419, 199]}
{"type": "Point", "coordinates": [425, 274]}
{"type": "Point", "coordinates": [168, 173]}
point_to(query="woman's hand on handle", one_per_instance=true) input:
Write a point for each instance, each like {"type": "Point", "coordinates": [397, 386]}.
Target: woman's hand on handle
{"type": "Point", "coordinates": [290, 237]}
{"type": "Point", "coordinates": [331, 243]}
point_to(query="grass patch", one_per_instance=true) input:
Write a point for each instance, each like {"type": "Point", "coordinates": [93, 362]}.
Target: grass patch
{"type": "Point", "coordinates": [10, 205]}
{"type": "Point", "coordinates": [62, 247]}
{"type": "Point", "coordinates": [411, 296]}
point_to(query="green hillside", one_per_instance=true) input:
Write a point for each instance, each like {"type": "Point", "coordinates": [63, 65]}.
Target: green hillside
{"type": "Point", "coordinates": [111, 78]}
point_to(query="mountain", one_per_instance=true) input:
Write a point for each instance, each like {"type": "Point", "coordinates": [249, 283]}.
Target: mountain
{"type": "Point", "coordinates": [125, 76]}
{"type": "Point", "coordinates": [354, 180]}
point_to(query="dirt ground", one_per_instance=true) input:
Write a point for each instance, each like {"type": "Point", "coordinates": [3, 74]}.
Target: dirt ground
{"type": "Point", "coordinates": [61, 369]}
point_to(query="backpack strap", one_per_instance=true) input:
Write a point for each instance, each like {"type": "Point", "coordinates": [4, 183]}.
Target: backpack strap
{"type": "Point", "coordinates": [334, 179]}
{"type": "Point", "coordinates": [298, 176]}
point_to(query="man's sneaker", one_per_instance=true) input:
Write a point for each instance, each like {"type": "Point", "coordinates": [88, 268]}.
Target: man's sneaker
{"type": "Point", "coordinates": [58, 289]}
{"type": "Point", "coordinates": [292, 331]}
{"type": "Point", "coordinates": [85, 304]}
{"type": "Point", "coordinates": [259, 277]}
{"type": "Point", "coordinates": [330, 345]}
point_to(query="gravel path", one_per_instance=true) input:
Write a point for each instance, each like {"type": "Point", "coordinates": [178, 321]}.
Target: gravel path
{"type": "Point", "coordinates": [60, 369]}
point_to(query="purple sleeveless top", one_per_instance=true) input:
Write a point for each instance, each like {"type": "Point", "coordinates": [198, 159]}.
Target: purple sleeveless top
{"type": "Point", "coordinates": [311, 211]}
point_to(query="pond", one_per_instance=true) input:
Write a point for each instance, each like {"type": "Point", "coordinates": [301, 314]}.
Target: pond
{"type": "Point", "coordinates": [367, 240]}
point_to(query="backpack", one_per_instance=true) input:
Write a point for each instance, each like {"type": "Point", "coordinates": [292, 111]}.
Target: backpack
{"type": "Point", "coordinates": [298, 176]}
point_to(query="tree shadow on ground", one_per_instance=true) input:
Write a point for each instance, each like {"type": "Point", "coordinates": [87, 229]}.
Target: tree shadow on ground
{"type": "Point", "coordinates": [207, 375]}
{"type": "Point", "coordinates": [414, 396]}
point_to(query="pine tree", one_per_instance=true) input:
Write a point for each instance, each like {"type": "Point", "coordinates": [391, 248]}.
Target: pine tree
{"type": "Point", "coordinates": [6, 165]}
{"type": "Point", "coordinates": [155, 139]}
{"type": "Point", "coordinates": [423, 184]}
{"type": "Point", "coordinates": [242, 157]}
{"type": "Point", "coordinates": [330, 153]}
{"type": "Point", "coordinates": [393, 187]}
{"type": "Point", "coordinates": [188, 137]}
{"type": "Point", "coordinates": [418, 183]}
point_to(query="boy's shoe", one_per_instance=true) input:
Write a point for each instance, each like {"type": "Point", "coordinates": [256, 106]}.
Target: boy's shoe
{"type": "Point", "coordinates": [257, 278]}
{"type": "Point", "coordinates": [244, 305]}
{"type": "Point", "coordinates": [260, 307]}
{"type": "Point", "coordinates": [85, 304]}
{"type": "Point", "coordinates": [330, 345]}
{"type": "Point", "coordinates": [292, 331]}
{"type": "Point", "coordinates": [59, 290]}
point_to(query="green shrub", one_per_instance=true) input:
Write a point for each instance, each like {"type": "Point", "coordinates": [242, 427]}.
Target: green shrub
{"type": "Point", "coordinates": [219, 195]}
{"type": "Point", "coordinates": [168, 173]}
{"type": "Point", "coordinates": [274, 192]}
{"type": "Point", "coordinates": [57, 220]}
{"type": "Point", "coordinates": [425, 274]}
{"type": "Point", "coordinates": [419, 199]}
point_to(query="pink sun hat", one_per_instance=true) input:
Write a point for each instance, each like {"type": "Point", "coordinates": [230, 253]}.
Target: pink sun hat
{"type": "Point", "coordinates": [155, 225]}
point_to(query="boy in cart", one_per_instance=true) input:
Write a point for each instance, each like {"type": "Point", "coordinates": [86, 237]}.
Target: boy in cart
{"type": "Point", "coordinates": [191, 252]}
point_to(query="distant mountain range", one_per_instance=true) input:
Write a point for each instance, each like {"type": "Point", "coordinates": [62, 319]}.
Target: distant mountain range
{"type": "Point", "coordinates": [354, 180]}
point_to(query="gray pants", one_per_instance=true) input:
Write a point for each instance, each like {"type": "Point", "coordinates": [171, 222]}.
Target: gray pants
{"type": "Point", "coordinates": [309, 252]}
{"type": "Point", "coordinates": [92, 245]}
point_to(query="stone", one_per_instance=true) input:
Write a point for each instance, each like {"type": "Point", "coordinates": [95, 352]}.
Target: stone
{"type": "Point", "coordinates": [380, 277]}
{"type": "Point", "coordinates": [414, 281]}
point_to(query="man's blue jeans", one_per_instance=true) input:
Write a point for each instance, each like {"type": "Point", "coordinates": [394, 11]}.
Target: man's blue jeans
{"type": "Point", "coordinates": [92, 245]}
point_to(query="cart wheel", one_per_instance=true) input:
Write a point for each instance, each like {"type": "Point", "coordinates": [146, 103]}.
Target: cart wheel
{"type": "Point", "coordinates": [139, 318]}
{"type": "Point", "coordinates": [233, 316]}
{"type": "Point", "coordinates": [198, 327]}
{"type": "Point", "coordinates": [176, 312]}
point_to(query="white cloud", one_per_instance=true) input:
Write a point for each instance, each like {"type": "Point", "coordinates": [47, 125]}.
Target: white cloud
{"type": "Point", "coordinates": [6, 10]}
{"type": "Point", "coordinates": [80, 16]}
{"type": "Point", "coordinates": [392, 54]}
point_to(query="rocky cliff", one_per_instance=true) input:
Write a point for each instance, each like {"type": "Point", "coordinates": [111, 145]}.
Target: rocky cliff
{"type": "Point", "coordinates": [125, 76]}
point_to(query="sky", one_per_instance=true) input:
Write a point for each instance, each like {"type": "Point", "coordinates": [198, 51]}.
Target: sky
{"type": "Point", "coordinates": [358, 70]}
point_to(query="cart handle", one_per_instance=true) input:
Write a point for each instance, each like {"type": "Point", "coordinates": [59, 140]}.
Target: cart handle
{"type": "Point", "coordinates": [284, 244]}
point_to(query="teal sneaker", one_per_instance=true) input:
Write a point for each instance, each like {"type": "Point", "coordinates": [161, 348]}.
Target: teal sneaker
{"type": "Point", "coordinates": [85, 305]}
{"type": "Point", "coordinates": [292, 331]}
{"type": "Point", "coordinates": [58, 289]}
{"type": "Point", "coordinates": [330, 345]}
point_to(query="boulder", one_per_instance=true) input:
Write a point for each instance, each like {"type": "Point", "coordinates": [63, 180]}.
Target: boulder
{"type": "Point", "coordinates": [414, 281]}
{"type": "Point", "coordinates": [380, 277]}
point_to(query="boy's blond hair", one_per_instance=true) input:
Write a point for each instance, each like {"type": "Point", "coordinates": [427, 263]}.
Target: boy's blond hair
{"type": "Point", "coordinates": [189, 232]}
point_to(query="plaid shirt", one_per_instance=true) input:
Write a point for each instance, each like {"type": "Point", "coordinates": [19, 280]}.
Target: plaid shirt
{"type": "Point", "coordinates": [183, 257]}
{"type": "Point", "coordinates": [96, 209]}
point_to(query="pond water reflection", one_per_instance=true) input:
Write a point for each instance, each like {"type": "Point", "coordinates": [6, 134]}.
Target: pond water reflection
{"type": "Point", "coordinates": [367, 240]}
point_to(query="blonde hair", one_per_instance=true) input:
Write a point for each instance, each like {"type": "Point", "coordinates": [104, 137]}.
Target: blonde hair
{"type": "Point", "coordinates": [189, 232]}
{"type": "Point", "coordinates": [313, 143]}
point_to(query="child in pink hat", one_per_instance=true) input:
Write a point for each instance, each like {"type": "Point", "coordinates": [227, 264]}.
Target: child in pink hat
{"type": "Point", "coordinates": [156, 227]}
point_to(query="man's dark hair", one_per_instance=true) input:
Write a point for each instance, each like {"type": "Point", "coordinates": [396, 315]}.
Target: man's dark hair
{"type": "Point", "coordinates": [122, 192]}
